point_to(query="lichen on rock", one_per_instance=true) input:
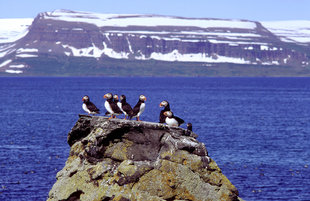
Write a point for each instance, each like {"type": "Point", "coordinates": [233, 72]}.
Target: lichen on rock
{"type": "Point", "coordinates": [130, 160]}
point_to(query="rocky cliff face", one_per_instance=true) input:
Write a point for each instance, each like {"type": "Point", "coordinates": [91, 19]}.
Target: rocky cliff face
{"type": "Point", "coordinates": [58, 39]}
{"type": "Point", "coordinates": [129, 160]}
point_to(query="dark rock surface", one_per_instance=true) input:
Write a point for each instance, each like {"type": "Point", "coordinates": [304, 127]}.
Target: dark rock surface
{"type": "Point", "coordinates": [130, 160]}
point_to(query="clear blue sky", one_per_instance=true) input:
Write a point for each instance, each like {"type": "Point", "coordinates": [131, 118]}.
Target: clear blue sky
{"type": "Point", "coordinates": [260, 10]}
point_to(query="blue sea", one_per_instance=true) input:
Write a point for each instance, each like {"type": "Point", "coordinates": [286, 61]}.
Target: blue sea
{"type": "Point", "coordinates": [256, 129]}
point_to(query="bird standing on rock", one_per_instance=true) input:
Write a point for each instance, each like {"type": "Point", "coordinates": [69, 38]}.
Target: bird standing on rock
{"type": "Point", "coordinates": [172, 120]}
{"type": "Point", "coordinates": [116, 101]}
{"type": "Point", "coordinates": [111, 106]}
{"type": "Point", "coordinates": [139, 107]}
{"type": "Point", "coordinates": [189, 129]}
{"type": "Point", "coordinates": [125, 107]}
{"type": "Point", "coordinates": [88, 106]}
{"type": "Point", "coordinates": [166, 106]}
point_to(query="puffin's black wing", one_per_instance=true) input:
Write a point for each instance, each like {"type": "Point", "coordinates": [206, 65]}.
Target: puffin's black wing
{"type": "Point", "coordinates": [115, 108]}
{"type": "Point", "coordinates": [179, 120]}
{"type": "Point", "coordinates": [136, 109]}
{"type": "Point", "coordinates": [92, 107]}
{"type": "Point", "coordinates": [127, 108]}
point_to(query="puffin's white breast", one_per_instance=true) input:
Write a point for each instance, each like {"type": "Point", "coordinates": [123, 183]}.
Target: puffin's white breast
{"type": "Point", "coordinates": [171, 121]}
{"type": "Point", "coordinates": [119, 104]}
{"type": "Point", "coordinates": [142, 107]}
{"type": "Point", "coordinates": [84, 106]}
{"type": "Point", "coordinates": [108, 107]}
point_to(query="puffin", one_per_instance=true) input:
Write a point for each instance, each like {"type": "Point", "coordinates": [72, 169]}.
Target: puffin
{"type": "Point", "coordinates": [189, 129]}
{"type": "Point", "coordinates": [125, 107]}
{"type": "Point", "coordinates": [111, 106]}
{"type": "Point", "coordinates": [89, 107]}
{"type": "Point", "coordinates": [116, 101]}
{"type": "Point", "coordinates": [166, 106]}
{"type": "Point", "coordinates": [172, 120]}
{"type": "Point", "coordinates": [139, 107]}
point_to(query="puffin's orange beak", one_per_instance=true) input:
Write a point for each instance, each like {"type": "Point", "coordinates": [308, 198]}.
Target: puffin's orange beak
{"type": "Point", "coordinates": [104, 96]}
{"type": "Point", "coordinates": [160, 105]}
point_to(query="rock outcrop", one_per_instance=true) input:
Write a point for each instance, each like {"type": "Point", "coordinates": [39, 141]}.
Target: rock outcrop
{"type": "Point", "coordinates": [129, 160]}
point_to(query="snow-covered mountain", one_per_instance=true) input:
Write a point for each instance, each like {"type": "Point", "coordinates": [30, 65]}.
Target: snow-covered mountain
{"type": "Point", "coordinates": [110, 41]}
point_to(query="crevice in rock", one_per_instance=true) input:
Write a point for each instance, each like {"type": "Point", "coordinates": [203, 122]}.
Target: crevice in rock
{"type": "Point", "coordinates": [72, 173]}
{"type": "Point", "coordinates": [107, 198]}
{"type": "Point", "coordinates": [189, 149]}
{"type": "Point", "coordinates": [171, 199]}
{"type": "Point", "coordinates": [74, 196]}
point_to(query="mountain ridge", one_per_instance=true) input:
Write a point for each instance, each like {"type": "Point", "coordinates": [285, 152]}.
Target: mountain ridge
{"type": "Point", "coordinates": [67, 36]}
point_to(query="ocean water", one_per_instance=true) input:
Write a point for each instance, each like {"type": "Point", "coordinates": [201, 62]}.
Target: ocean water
{"type": "Point", "coordinates": [256, 129]}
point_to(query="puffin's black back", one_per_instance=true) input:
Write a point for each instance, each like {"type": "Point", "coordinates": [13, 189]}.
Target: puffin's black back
{"type": "Point", "coordinates": [92, 107]}
{"type": "Point", "coordinates": [162, 117]}
{"type": "Point", "coordinates": [114, 106]}
{"type": "Point", "coordinates": [126, 107]}
{"type": "Point", "coordinates": [136, 109]}
{"type": "Point", "coordinates": [179, 120]}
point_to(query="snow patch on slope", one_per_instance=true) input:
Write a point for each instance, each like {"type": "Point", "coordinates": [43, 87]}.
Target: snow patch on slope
{"type": "Point", "coordinates": [290, 31]}
{"type": "Point", "coordinates": [17, 66]}
{"type": "Point", "coordinates": [199, 57]}
{"type": "Point", "coordinates": [14, 71]}
{"type": "Point", "coordinates": [13, 29]}
{"type": "Point", "coordinates": [124, 20]}
{"type": "Point", "coordinates": [5, 63]}
{"type": "Point", "coordinates": [95, 52]}
{"type": "Point", "coordinates": [26, 55]}
{"type": "Point", "coordinates": [27, 50]}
